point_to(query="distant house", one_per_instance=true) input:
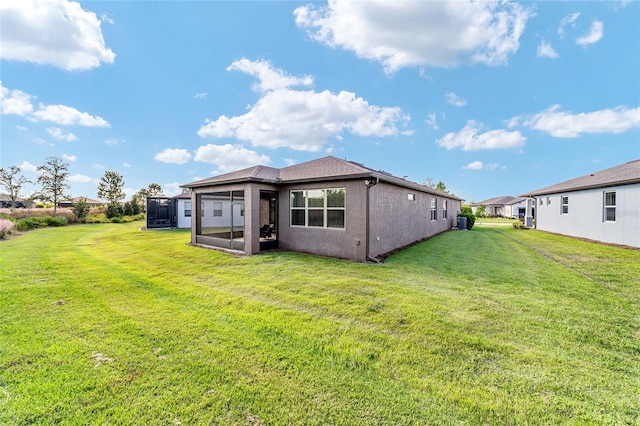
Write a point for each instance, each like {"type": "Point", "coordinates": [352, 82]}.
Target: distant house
{"type": "Point", "coordinates": [69, 203]}
{"type": "Point", "coordinates": [602, 206]}
{"type": "Point", "coordinates": [328, 206]}
{"type": "Point", "coordinates": [169, 212]}
{"type": "Point", "coordinates": [5, 202]}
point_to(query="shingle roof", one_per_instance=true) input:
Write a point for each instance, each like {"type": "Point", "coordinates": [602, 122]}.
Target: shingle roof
{"type": "Point", "coordinates": [501, 201]}
{"type": "Point", "coordinates": [326, 168]}
{"type": "Point", "coordinates": [619, 175]}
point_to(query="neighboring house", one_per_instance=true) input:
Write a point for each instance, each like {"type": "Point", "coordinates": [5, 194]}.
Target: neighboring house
{"type": "Point", "coordinates": [169, 212]}
{"type": "Point", "coordinates": [5, 202]}
{"type": "Point", "coordinates": [602, 206]}
{"type": "Point", "coordinates": [89, 201]}
{"type": "Point", "coordinates": [494, 206]}
{"type": "Point", "coordinates": [328, 206]}
{"type": "Point", "coordinates": [516, 208]}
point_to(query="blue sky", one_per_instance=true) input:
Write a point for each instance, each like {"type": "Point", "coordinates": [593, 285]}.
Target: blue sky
{"type": "Point", "coordinates": [491, 98]}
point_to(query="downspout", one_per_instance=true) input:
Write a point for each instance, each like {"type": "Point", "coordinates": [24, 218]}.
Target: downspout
{"type": "Point", "coordinates": [370, 184]}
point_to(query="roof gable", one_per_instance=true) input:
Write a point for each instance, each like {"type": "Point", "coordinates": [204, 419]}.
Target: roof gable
{"type": "Point", "coordinates": [618, 175]}
{"type": "Point", "coordinates": [322, 168]}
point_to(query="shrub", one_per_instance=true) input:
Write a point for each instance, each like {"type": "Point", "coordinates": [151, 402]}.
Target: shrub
{"type": "Point", "coordinates": [80, 208]}
{"type": "Point", "coordinates": [39, 206]}
{"type": "Point", "coordinates": [113, 210]}
{"type": "Point", "coordinates": [6, 226]}
{"type": "Point", "coordinates": [116, 219]}
{"type": "Point", "coordinates": [26, 224]}
{"type": "Point", "coordinates": [519, 225]}
{"type": "Point", "coordinates": [471, 219]}
{"type": "Point", "coordinates": [57, 221]}
{"type": "Point", "coordinates": [466, 209]}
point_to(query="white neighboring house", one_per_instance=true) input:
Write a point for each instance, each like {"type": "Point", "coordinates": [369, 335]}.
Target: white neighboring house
{"type": "Point", "coordinates": [602, 206]}
{"type": "Point", "coordinates": [516, 208]}
{"type": "Point", "coordinates": [183, 208]}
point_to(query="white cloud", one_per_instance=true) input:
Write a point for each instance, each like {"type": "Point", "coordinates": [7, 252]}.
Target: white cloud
{"type": "Point", "coordinates": [127, 165]}
{"type": "Point", "coordinates": [19, 103]}
{"type": "Point", "coordinates": [14, 101]}
{"type": "Point", "coordinates": [269, 78]}
{"type": "Point", "coordinates": [173, 156]}
{"type": "Point", "coordinates": [58, 134]}
{"type": "Point", "coordinates": [545, 50]}
{"type": "Point", "coordinates": [97, 166]}
{"type": "Point", "coordinates": [419, 33]}
{"type": "Point", "coordinates": [290, 161]}
{"type": "Point", "coordinates": [567, 20]}
{"type": "Point", "coordinates": [475, 165]}
{"type": "Point", "coordinates": [171, 189]}
{"type": "Point", "coordinates": [455, 100]}
{"type": "Point", "coordinates": [67, 116]}
{"type": "Point", "coordinates": [55, 32]}
{"type": "Point", "coordinates": [202, 95]}
{"type": "Point", "coordinates": [595, 34]}
{"type": "Point", "coordinates": [40, 141]}
{"type": "Point", "coordinates": [129, 192]}
{"type": "Point", "coordinates": [470, 138]}
{"type": "Point", "coordinates": [28, 167]}
{"type": "Point", "coordinates": [78, 178]}
{"type": "Point", "coordinates": [563, 124]}
{"type": "Point", "coordinates": [432, 121]}
{"type": "Point", "coordinates": [229, 157]}
{"type": "Point", "coordinates": [69, 157]}
{"type": "Point", "coordinates": [301, 120]}
{"type": "Point", "coordinates": [21, 128]}
{"type": "Point", "coordinates": [113, 141]}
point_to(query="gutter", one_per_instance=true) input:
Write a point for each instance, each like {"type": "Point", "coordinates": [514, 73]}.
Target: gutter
{"type": "Point", "coordinates": [371, 182]}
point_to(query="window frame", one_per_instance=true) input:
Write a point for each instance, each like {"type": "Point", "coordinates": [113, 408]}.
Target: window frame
{"type": "Point", "coordinates": [188, 210]}
{"type": "Point", "coordinates": [608, 207]}
{"type": "Point", "coordinates": [564, 204]}
{"type": "Point", "coordinates": [218, 212]}
{"type": "Point", "coordinates": [434, 208]}
{"type": "Point", "coordinates": [444, 210]}
{"type": "Point", "coordinates": [325, 210]}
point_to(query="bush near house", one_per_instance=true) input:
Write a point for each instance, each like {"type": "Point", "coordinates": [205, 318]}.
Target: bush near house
{"type": "Point", "coordinates": [471, 218]}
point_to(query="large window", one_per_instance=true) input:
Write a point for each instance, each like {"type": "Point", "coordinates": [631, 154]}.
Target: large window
{"type": "Point", "coordinates": [187, 209]}
{"type": "Point", "coordinates": [434, 212]}
{"type": "Point", "coordinates": [319, 208]}
{"type": "Point", "coordinates": [609, 206]}
{"type": "Point", "coordinates": [564, 204]}
{"type": "Point", "coordinates": [444, 209]}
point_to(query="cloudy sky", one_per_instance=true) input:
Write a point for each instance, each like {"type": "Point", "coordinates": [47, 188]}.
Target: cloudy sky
{"type": "Point", "coordinates": [492, 98]}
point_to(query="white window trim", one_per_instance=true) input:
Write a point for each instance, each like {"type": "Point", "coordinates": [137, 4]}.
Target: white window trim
{"type": "Point", "coordinates": [433, 208]}
{"type": "Point", "coordinates": [564, 204]}
{"type": "Point", "coordinates": [606, 206]}
{"type": "Point", "coordinates": [325, 209]}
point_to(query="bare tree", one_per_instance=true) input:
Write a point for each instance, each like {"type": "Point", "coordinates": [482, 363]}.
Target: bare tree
{"type": "Point", "coordinates": [53, 178]}
{"type": "Point", "coordinates": [13, 183]}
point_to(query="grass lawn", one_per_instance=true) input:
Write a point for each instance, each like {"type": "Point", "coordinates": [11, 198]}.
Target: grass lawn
{"type": "Point", "coordinates": [104, 324]}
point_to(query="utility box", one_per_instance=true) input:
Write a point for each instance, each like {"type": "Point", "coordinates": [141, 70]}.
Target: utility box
{"type": "Point", "coordinates": [462, 223]}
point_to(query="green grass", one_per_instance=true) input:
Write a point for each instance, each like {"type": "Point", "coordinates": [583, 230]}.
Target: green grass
{"type": "Point", "coordinates": [105, 324]}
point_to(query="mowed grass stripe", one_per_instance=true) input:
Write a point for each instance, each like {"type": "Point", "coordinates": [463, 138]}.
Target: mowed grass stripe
{"type": "Point", "coordinates": [465, 327]}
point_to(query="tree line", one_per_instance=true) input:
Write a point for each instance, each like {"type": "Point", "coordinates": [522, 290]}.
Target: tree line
{"type": "Point", "coordinates": [53, 177]}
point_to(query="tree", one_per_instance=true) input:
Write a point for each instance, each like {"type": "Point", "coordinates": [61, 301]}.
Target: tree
{"type": "Point", "coordinates": [12, 182]}
{"type": "Point", "coordinates": [140, 197]}
{"type": "Point", "coordinates": [110, 189]}
{"type": "Point", "coordinates": [53, 178]}
{"type": "Point", "coordinates": [481, 211]}
{"type": "Point", "coordinates": [440, 186]}
{"type": "Point", "coordinates": [80, 208]}
{"type": "Point", "coordinates": [428, 181]}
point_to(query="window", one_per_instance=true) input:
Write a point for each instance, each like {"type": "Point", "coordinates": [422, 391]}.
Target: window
{"type": "Point", "coordinates": [434, 206]}
{"type": "Point", "coordinates": [187, 209]}
{"type": "Point", "coordinates": [444, 209]}
{"type": "Point", "coordinates": [411, 197]}
{"type": "Point", "coordinates": [540, 200]}
{"type": "Point", "coordinates": [217, 209]}
{"type": "Point", "coordinates": [548, 200]}
{"type": "Point", "coordinates": [202, 208]}
{"type": "Point", "coordinates": [319, 208]}
{"type": "Point", "coordinates": [609, 206]}
{"type": "Point", "coordinates": [564, 204]}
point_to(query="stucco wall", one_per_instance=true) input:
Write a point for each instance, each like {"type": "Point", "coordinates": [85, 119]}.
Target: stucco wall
{"type": "Point", "coordinates": [347, 243]}
{"type": "Point", "coordinates": [183, 221]}
{"type": "Point", "coordinates": [585, 217]}
{"type": "Point", "coordinates": [397, 221]}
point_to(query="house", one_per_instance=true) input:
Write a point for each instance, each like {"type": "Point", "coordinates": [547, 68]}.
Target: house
{"type": "Point", "coordinates": [516, 208]}
{"type": "Point", "coordinates": [169, 212]}
{"type": "Point", "coordinates": [602, 206]}
{"type": "Point", "coordinates": [5, 202]}
{"type": "Point", "coordinates": [327, 206]}
{"type": "Point", "coordinates": [69, 203]}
